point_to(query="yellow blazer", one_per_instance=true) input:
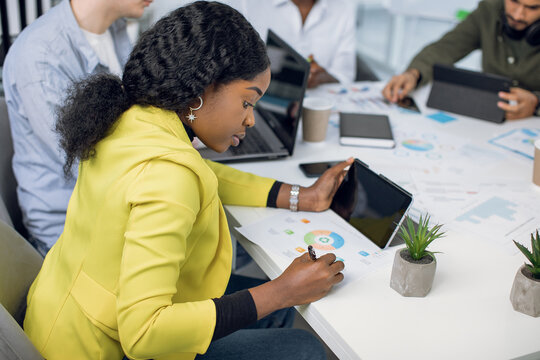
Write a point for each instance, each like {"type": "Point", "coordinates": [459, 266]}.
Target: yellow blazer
{"type": "Point", "coordinates": [145, 247]}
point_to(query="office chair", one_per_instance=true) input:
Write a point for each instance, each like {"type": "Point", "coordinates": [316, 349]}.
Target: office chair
{"type": "Point", "coordinates": [8, 184]}
{"type": "Point", "coordinates": [19, 265]}
{"type": "Point", "coordinates": [4, 214]}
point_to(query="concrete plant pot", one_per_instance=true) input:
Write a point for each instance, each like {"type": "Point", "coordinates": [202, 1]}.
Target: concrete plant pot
{"type": "Point", "coordinates": [525, 294]}
{"type": "Point", "coordinates": [411, 277]}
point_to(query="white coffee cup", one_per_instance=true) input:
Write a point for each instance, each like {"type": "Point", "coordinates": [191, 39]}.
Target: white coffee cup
{"type": "Point", "coordinates": [315, 115]}
{"type": "Point", "coordinates": [536, 163]}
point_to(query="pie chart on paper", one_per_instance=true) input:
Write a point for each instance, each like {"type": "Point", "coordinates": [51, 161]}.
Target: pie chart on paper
{"type": "Point", "coordinates": [324, 240]}
{"type": "Point", "coordinates": [417, 145]}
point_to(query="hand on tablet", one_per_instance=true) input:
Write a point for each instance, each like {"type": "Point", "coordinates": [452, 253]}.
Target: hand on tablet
{"type": "Point", "coordinates": [318, 196]}
{"type": "Point", "coordinates": [520, 103]}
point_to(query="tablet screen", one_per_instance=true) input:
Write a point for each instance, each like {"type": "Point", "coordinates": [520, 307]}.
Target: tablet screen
{"type": "Point", "coordinates": [371, 203]}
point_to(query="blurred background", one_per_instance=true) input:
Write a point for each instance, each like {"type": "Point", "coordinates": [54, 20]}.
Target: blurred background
{"type": "Point", "coordinates": [389, 32]}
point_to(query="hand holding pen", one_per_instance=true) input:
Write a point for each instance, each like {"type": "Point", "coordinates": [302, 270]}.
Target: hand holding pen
{"type": "Point", "coordinates": [307, 279]}
{"type": "Point", "coordinates": [311, 253]}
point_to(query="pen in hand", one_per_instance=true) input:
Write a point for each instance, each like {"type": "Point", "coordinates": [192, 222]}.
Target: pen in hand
{"type": "Point", "coordinates": [311, 253]}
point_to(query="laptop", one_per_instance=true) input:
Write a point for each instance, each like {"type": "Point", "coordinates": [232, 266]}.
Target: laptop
{"type": "Point", "coordinates": [277, 113]}
{"type": "Point", "coordinates": [468, 93]}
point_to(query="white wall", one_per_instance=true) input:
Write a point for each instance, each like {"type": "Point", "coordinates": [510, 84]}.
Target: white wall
{"type": "Point", "coordinates": [390, 32]}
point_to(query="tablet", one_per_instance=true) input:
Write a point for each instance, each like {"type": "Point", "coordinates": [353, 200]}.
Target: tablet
{"type": "Point", "coordinates": [371, 203]}
{"type": "Point", "coordinates": [316, 169]}
{"type": "Point", "coordinates": [468, 93]}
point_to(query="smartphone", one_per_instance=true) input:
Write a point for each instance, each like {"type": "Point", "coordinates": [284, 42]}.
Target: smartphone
{"type": "Point", "coordinates": [316, 169]}
{"type": "Point", "coordinates": [406, 103]}
{"type": "Point", "coordinates": [409, 104]}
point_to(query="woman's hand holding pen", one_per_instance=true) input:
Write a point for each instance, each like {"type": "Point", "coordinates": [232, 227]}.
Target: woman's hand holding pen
{"type": "Point", "coordinates": [304, 281]}
{"type": "Point", "coordinates": [318, 196]}
{"type": "Point", "coordinates": [307, 278]}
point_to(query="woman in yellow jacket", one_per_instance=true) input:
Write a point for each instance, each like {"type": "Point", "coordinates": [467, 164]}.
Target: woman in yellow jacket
{"type": "Point", "coordinates": [141, 267]}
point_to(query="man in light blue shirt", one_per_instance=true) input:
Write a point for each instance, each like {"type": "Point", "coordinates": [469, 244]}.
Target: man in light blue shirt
{"type": "Point", "coordinates": [55, 50]}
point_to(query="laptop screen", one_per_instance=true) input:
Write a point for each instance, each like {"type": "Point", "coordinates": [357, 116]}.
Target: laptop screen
{"type": "Point", "coordinates": [281, 105]}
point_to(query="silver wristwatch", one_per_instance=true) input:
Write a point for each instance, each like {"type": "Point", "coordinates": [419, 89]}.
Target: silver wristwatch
{"type": "Point", "coordinates": [293, 199]}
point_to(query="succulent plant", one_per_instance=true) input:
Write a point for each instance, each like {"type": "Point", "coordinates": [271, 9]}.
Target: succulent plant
{"type": "Point", "coordinates": [533, 256]}
{"type": "Point", "coordinates": [418, 239]}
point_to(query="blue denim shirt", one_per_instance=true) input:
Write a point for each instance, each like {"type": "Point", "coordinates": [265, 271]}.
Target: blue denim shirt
{"type": "Point", "coordinates": [46, 58]}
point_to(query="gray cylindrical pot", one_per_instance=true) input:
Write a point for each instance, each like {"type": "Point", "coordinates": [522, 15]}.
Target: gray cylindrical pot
{"type": "Point", "coordinates": [412, 279]}
{"type": "Point", "coordinates": [525, 294]}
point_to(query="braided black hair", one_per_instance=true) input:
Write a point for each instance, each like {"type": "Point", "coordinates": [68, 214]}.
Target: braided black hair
{"type": "Point", "coordinates": [201, 44]}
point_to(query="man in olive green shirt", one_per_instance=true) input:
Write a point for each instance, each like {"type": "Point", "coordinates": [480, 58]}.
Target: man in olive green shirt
{"type": "Point", "coordinates": [508, 33]}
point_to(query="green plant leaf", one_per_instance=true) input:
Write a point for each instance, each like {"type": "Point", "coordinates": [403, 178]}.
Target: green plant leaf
{"type": "Point", "coordinates": [417, 240]}
{"type": "Point", "coordinates": [525, 251]}
{"type": "Point", "coordinates": [535, 246]}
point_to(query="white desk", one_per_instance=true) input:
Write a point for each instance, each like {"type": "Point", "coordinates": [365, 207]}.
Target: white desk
{"type": "Point", "coordinates": [467, 314]}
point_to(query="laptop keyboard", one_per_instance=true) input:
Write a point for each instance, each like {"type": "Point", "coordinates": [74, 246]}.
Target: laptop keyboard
{"type": "Point", "coordinates": [253, 143]}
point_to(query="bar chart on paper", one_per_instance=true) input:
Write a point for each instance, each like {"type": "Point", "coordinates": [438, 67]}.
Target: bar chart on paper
{"type": "Point", "coordinates": [499, 219]}
{"type": "Point", "coordinates": [495, 208]}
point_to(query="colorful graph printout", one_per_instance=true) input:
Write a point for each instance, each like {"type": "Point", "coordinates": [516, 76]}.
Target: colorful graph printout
{"type": "Point", "coordinates": [417, 145]}
{"type": "Point", "coordinates": [324, 240]}
{"type": "Point", "coordinates": [289, 234]}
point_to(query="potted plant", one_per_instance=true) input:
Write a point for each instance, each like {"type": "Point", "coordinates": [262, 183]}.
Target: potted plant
{"type": "Point", "coordinates": [525, 294]}
{"type": "Point", "coordinates": [414, 266]}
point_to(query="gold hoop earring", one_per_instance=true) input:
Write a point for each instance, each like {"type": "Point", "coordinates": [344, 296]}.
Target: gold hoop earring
{"type": "Point", "coordinates": [192, 116]}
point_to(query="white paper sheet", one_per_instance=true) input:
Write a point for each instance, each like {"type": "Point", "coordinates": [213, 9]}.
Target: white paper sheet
{"type": "Point", "coordinates": [519, 141]}
{"type": "Point", "coordinates": [288, 234]}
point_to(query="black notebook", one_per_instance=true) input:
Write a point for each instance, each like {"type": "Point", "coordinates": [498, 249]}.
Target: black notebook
{"type": "Point", "coordinates": [365, 130]}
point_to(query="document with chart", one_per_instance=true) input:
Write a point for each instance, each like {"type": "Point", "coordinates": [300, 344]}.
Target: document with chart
{"type": "Point", "coordinates": [520, 141]}
{"type": "Point", "coordinates": [289, 234]}
{"type": "Point", "coordinates": [500, 219]}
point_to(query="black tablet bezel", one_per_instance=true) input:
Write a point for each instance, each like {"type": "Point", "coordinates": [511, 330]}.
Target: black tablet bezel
{"type": "Point", "coordinates": [344, 200]}
{"type": "Point", "coordinates": [316, 169]}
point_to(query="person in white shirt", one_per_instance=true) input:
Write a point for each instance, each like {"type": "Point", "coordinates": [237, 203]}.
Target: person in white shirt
{"type": "Point", "coordinates": [321, 30]}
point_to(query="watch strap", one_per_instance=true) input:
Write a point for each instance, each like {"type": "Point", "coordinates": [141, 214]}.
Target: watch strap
{"type": "Point", "coordinates": [293, 198]}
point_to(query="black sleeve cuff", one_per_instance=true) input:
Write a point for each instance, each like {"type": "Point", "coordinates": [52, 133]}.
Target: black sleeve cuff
{"type": "Point", "coordinates": [419, 79]}
{"type": "Point", "coordinates": [273, 194]}
{"type": "Point", "coordinates": [234, 312]}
